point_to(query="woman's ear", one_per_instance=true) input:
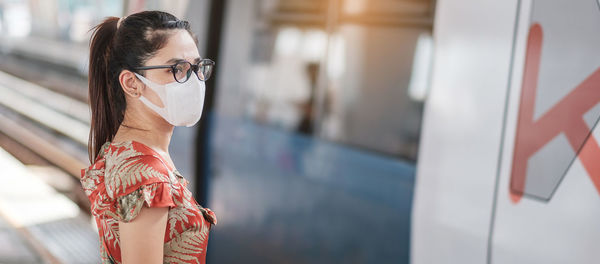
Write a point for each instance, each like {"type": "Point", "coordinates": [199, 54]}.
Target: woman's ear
{"type": "Point", "coordinates": [130, 83]}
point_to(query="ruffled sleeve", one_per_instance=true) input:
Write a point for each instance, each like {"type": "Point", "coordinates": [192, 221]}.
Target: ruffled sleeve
{"type": "Point", "coordinates": [133, 181]}
{"type": "Point", "coordinates": [158, 194]}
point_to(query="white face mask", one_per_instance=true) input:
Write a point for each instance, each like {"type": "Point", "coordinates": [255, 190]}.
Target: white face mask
{"type": "Point", "coordinates": [182, 102]}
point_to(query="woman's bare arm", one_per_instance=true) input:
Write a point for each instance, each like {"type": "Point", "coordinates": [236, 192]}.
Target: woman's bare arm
{"type": "Point", "coordinates": [142, 239]}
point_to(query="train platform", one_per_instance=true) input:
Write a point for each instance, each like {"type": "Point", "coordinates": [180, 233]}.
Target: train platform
{"type": "Point", "coordinates": [38, 224]}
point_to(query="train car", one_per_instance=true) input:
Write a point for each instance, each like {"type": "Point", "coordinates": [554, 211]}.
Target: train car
{"type": "Point", "coordinates": [508, 164]}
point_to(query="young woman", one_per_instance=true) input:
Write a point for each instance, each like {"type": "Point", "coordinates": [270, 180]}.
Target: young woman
{"type": "Point", "coordinates": [145, 77]}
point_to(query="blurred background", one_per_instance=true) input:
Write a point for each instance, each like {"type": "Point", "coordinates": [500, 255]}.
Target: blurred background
{"type": "Point", "coordinates": [306, 150]}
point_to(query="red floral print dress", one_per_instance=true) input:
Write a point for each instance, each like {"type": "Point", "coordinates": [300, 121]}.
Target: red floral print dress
{"type": "Point", "coordinates": [129, 175]}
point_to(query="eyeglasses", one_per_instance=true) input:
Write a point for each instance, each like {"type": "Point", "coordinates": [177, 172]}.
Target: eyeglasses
{"type": "Point", "coordinates": [182, 70]}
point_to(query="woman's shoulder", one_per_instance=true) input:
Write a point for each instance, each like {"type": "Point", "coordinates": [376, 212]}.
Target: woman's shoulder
{"type": "Point", "coordinates": [129, 165]}
{"type": "Point", "coordinates": [126, 176]}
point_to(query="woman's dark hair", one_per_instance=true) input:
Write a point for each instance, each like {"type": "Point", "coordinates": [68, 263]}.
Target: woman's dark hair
{"type": "Point", "coordinates": [117, 46]}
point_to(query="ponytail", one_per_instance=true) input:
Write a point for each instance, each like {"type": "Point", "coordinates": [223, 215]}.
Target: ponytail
{"type": "Point", "coordinates": [106, 113]}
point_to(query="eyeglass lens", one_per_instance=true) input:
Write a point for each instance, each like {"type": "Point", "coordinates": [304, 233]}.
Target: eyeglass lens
{"type": "Point", "coordinates": [183, 71]}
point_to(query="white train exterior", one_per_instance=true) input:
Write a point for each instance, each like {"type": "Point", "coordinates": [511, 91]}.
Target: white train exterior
{"type": "Point", "coordinates": [508, 168]}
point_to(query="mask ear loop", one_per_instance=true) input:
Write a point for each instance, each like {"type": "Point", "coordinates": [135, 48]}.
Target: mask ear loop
{"type": "Point", "coordinates": [149, 85]}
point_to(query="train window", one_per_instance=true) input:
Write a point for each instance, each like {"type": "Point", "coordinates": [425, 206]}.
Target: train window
{"type": "Point", "coordinates": [352, 71]}
{"type": "Point", "coordinates": [289, 45]}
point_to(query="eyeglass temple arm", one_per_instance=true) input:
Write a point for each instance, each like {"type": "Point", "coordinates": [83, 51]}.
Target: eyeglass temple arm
{"type": "Point", "coordinates": [153, 67]}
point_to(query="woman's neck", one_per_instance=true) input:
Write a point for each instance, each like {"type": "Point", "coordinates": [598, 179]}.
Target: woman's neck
{"type": "Point", "coordinates": [150, 130]}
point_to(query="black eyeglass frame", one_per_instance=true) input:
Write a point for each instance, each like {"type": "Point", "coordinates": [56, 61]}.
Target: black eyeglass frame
{"type": "Point", "coordinates": [193, 67]}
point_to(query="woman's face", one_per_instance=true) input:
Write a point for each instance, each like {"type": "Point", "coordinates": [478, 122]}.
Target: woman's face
{"type": "Point", "coordinates": [180, 46]}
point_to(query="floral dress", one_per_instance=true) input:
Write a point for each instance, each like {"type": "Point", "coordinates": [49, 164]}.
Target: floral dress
{"type": "Point", "coordinates": [129, 175]}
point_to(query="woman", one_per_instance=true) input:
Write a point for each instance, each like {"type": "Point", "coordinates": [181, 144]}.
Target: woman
{"type": "Point", "coordinates": [145, 77]}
